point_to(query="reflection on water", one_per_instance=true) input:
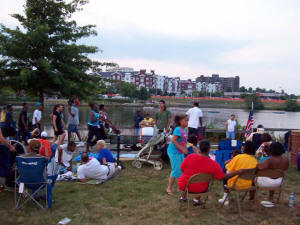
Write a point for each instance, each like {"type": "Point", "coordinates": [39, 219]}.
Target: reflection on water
{"type": "Point", "coordinates": [123, 116]}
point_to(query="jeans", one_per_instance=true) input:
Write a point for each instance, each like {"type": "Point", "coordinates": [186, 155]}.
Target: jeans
{"type": "Point", "coordinates": [194, 131]}
{"type": "Point", "coordinates": [230, 135]}
{"type": "Point", "coordinates": [137, 131]}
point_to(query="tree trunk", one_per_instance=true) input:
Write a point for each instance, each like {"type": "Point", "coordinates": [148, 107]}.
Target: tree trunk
{"type": "Point", "coordinates": [42, 102]}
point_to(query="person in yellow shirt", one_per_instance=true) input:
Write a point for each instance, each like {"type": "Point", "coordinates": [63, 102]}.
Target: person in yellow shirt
{"type": "Point", "coordinates": [148, 119]}
{"type": "Point", "coordinates": [2, 116]}
{"type": "Point", "coordinates": [239, 162]}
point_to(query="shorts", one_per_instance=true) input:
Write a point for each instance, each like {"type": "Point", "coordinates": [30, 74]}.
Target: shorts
{"type": "Point", "coordinates": [230, 135]}
{"type": "Point", "coordinates": [73, 128]}
{"type": "Point", "coordinates": [269, 182]}
{"type": "Point", "coordinates": [59, 132]}
{"type": "Point", "coordinates": [175, 159]}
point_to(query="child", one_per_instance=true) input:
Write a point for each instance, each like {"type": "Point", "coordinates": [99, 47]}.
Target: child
{"type": "Point", "coordinates": [177, 149]}
{"type": "Point", "coordinates": [191, 144]}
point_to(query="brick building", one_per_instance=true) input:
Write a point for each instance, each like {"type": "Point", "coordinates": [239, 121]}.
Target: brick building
{"type": "Point", "coordinates": [225, 82]}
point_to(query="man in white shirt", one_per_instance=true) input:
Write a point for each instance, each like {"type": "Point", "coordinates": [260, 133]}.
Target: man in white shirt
{"type": "Point", "coordinates": [231, 127]}
{"type": "Point", "coordinates": [64, 155]}
{"type": "Point", "coordinates": [91, 168]}
{"type": "Point", "coordinates": [195, 119]}
{"type": "Point", "coordinates": [37, 116]}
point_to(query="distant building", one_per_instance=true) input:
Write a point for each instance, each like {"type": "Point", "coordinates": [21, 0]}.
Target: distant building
{"type": "Point", "coordinates": [188, 86]}
{"type": "Point", "coordinates": [227, 82]}
{"type": "Point", "coordinates": [143, 79]}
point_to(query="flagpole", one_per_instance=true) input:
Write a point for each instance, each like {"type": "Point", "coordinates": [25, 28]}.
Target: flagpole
{"type": "Point", "coordinates": [252, 107]}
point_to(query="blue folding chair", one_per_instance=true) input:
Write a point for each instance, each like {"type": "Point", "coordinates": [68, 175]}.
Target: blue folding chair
{"type": "Point", "coordinates": [31, 180]}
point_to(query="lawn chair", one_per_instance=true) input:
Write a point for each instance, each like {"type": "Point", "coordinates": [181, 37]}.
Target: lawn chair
{"type": "Point", "coordinates": [32, 178]}
{"type": "Point", "coordinates": [248, 174]}
{"type": "Point", "coordinates": [273, 174]}
{"type": "Point", "coordinates": [200, 178]}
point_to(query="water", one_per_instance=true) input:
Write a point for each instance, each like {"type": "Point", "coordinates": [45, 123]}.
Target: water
{"type": "Point", "coordinates": [122, 116]}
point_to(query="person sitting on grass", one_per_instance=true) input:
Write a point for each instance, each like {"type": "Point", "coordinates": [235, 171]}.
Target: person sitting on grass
{"type": "Point", "coordinates": [45, 149]}
{"type": "Point", "coordinates": [63, 156]}
{"type": "Point", "coordinates": [275, 161]}
{"type": "Point", "coordinates": [92, 169]}
{"type": "Point", "coordinates": [200, 162]}
{"type": "Point", "coordinates": [105, 155]}
{"type": "Point", "coordinates": [239, 162]}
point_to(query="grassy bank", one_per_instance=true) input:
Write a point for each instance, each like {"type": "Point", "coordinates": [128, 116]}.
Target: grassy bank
{"type": "Point", "coordinates": [136, 196]}
{"type": "Point", "coordinates": [204, 103]}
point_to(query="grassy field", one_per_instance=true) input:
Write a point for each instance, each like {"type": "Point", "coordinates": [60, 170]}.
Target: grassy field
{"type": "Point", "coordinates": [136, 196]}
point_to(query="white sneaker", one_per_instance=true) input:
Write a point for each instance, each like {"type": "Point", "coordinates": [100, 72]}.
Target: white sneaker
{"type": "Point", "coordinates": [222, 201]}
{"type": "Point", "coordinates": [80, 144]}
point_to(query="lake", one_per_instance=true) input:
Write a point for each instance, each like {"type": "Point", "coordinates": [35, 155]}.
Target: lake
{"type": "Point", "coordinates": [122, 116]}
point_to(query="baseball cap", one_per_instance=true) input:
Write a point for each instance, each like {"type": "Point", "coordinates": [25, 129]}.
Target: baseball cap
{"type": "Point", "coordinates": [44, 134]}
{"type": "Point", "coordinates": [37, 104]}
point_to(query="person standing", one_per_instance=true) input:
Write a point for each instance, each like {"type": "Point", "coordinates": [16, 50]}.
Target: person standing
{"type": "Point", "coordinates": [163, 117]}
{"type": "Point", "coordinates": [37, 116]}
{"type": "Point", "coordinates": [23, 130]}
{"type": "Point", "coordinates": [58, 124]}
{"type": "Point", "coordinates": [195, 119]}
{"type": "Point", "coordinates": [9, 127]}
{"type": "Point", "coordinates": [177, 149]}
{"type": "Point", "coordinates": [2, 116]}
{"type": "Point", "coordinates": [102, 122]}
{"type": "Point", "coordinates": [93, 122]}
{"type": "Point", "coordinates": [137, 119]}
{"type": "Point", "coordinates": [231, 127]}
{"type": "Point", "coordinates": [73, 121]}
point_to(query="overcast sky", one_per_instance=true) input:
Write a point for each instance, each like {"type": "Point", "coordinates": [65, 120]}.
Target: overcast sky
{"type": "Point", "coordinates": [255, 39]}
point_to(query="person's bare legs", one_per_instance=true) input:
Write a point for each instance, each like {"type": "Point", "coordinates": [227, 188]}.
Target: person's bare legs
{"type": "Point", "coordinates": [170, 185]}
{"type": "Point", "coordinates": [62, 138]}
{"type": "Point", "coordinates": [69, 136]}
{"type": "Point", "coordinates": [271, 196]}
{"type": "Point", "coordinates": [54, 139]}
{"type": "Point", "coordinates": [78, 135]}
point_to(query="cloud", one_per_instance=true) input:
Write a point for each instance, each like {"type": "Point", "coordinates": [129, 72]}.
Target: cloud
{"type": "Point", "coordinates": [256, 39]}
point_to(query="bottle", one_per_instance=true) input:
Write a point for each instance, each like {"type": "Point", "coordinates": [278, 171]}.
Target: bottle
{"type": "Point", "coordinates": [291, 200]}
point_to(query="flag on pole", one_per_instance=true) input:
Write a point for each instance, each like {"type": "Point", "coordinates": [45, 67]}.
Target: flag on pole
{"type": "Point", "coordinates": [250, 123]}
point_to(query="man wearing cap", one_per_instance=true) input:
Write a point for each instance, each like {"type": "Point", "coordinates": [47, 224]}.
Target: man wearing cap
{"type": "Point", "coordinates": [37, 115]}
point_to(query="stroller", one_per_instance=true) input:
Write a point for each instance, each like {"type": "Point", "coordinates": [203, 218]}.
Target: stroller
{"type": "Point", "coordinates": [148, 154]}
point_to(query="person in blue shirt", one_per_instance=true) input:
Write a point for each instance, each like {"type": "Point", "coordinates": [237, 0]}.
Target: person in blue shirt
{"type": "Point", "coordinates": [105, 155]}
{"type": "Point", "coordinates": [177, 149]}
{"type": "Point", "coordinates": [137, 119]}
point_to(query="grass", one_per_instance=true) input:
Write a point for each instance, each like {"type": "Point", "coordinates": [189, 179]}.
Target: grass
{"type": "Point", "coordinates": [136, 196]}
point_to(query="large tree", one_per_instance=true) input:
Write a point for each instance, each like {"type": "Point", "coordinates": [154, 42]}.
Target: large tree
{"type": "Point", "coordinates": [43, 56]}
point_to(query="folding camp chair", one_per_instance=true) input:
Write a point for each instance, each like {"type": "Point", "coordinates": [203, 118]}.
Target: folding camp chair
{"type": "Point", "coordinates": [273, 174]}
{"type": "Point", "coordinates": [248, 174]}
{"type": "Point", "coordinates": [32, 178]}
{"type": "Point", "coordinates": [200, 178]}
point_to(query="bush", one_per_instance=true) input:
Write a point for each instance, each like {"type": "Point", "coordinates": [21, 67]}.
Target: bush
{"type": "Point", "coordinates": [257, 104]}
{"type": "Point", "coordinates": [292, 105]}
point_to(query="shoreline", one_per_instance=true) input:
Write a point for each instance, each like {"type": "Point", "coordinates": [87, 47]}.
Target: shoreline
{"type": "Point", "coordinates": [204, 103]}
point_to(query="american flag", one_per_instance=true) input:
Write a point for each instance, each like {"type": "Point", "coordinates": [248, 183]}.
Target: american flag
{"type": "Point", "coordinates": [250, 123]}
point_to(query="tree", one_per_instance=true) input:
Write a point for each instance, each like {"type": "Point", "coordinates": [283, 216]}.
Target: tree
{"type": "Point", "coordinates": [44, 57]}
{"type": "Point", "coordinates": [292, 105]}
{"type": "Point", "coordinates": [243, 89]}
{"type": "Point", "coordinates": [143, 94]}
{"type": "Point", "coordinates": [257, 104]}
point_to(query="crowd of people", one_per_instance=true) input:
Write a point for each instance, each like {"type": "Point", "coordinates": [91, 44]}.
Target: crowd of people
{"type": "Point", "coordinates": [188, 153]}
{"type": "Point", "coordinates": [258, 152]}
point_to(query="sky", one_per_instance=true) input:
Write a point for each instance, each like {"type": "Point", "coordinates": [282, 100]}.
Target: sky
{"type": "Point", "coordinates": [257, 40]}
